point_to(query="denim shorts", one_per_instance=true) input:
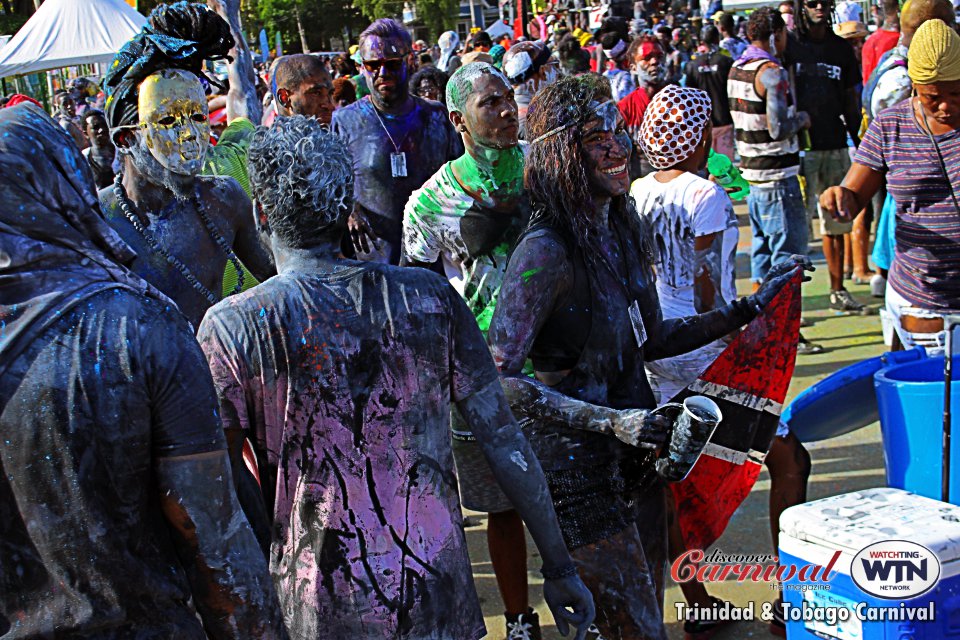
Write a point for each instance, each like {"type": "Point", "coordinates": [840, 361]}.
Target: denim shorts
{"type": "Point", "coordinates": [778, 221]}
{"type": "Point", "coordinates": [825, 169]}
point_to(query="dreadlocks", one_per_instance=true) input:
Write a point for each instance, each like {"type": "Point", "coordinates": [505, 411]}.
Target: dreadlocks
{"type": "Point", "coordinates": [803, 20]}
{"type": "Point", "coordinates": [177, 36]}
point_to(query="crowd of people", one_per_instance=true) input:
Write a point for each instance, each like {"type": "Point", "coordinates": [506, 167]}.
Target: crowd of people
{"type": "Point", "coordinates": [263, 334]}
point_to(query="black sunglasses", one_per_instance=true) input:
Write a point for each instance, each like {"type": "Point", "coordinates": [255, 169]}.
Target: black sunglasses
{"type": "Point", "coordinates": [813, 4]}
{"type": "Point", "coordinates": [390, 64]}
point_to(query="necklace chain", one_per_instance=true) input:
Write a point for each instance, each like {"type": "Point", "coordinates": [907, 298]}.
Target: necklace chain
{"type": "Point", "coordinates": [396, 147]}
{"type": "Point", "coordinates": [126, 207]}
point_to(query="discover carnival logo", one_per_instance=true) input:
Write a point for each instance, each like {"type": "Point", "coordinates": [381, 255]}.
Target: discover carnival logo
{"type": "Point", "coordinates": [895, 569]}
{"type": "Point", "coordinates": [888, 570]}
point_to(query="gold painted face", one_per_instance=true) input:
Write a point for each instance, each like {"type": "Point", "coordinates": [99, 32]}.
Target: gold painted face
{"type": "Point", "coordinates": [174, 120]}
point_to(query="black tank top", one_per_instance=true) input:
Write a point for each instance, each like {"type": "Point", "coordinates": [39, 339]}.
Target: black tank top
{"type": "Point", "coordinates": [590, 333]}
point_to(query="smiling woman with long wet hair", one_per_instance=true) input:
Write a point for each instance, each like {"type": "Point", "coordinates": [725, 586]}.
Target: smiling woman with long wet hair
{"type": "Point", "coordinates": [558, 168]}
{"type": "Point", "coordinates": [579, 300]}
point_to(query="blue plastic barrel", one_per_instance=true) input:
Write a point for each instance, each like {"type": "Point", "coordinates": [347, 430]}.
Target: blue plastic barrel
{"type": "Point", "coordinates": [910, 400]}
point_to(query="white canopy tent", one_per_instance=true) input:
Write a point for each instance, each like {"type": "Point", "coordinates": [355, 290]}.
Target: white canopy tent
{"type": "Point", "coordinates": [498, 30]}
{"type": "Point", "coordinates": [743, 5]}
{"type": "Point", "coordinates": [66, 33]}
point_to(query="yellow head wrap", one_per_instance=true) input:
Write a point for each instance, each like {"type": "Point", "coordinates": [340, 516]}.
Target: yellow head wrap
{"type": "Point", "coordinates": [934, 54]}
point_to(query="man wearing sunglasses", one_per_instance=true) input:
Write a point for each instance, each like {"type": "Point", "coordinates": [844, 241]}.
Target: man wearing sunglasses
{"type": "Point", "coordinates": [827, 77]}
{"type": "Point", "coordinates": [397, 141]}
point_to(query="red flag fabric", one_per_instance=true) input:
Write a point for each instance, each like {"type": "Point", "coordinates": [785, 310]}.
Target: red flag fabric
{"type": "Point", "coordinates": [749, 382]}
{"type": "Point", "coordinates": [19, 98]}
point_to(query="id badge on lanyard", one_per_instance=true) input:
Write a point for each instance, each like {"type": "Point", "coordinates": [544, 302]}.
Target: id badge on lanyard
{"type": "Point", "coordinates": [636, 320]}
{"type": "Point", "coordinates": [398, 164]}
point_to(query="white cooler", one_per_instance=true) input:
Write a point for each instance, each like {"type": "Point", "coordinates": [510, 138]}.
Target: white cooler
{"type": "Point", "coordinates": [811, 533]}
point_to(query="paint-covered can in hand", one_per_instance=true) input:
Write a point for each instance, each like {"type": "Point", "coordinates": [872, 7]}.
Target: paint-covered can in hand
{"type": "Point", "coordinates": [696, 420]}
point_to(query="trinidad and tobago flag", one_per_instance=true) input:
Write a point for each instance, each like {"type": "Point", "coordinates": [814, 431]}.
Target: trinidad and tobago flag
{"type": "Point", "coordinates": [749, 382]}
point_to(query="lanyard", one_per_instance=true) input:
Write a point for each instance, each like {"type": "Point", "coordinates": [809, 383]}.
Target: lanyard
{"type": "Point", "coordinates": [398, 159]}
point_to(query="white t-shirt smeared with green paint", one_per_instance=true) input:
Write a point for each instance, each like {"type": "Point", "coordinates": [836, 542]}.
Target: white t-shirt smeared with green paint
{"type": "Point", "coordinates": [471, 239]}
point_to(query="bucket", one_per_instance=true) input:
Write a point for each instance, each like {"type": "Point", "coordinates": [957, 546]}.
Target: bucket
{"type": "Point", "coordinates": [910, 402]}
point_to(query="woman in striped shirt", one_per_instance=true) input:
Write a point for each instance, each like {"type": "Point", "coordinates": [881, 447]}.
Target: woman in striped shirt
{"type": "Point", "coordinates": [915, 147]}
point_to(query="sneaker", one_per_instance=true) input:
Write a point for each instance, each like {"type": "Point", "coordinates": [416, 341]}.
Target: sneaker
{"type": "Point", "coordinates": [593, 633]}
{"type": "Point", "coordinates": [806, 348]}
{"type": "Point", "coordinates": [523, 626]}
{"type": "Point", "coordinates": [778, 626]}
{"type": "Point", "coordinates": [878, 286]}
{"type": "Point", "coordinates": [842, 301]}
{"type": "Point", "coordinates": [701, 630]}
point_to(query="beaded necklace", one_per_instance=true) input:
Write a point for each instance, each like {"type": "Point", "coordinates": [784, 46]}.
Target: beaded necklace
{"type": "Point", "coordinates": [126, 206]}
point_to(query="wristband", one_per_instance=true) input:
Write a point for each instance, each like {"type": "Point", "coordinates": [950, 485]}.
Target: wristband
{"type": "Point", "coordinates": [563, 571]}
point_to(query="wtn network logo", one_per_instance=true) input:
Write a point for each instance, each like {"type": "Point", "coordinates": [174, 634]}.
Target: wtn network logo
{"type": "Point", "coordinates": [895, 569]}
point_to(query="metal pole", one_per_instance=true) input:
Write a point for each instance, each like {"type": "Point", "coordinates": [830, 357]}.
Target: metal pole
{"type": "Point", "coordinates": [949, 322]}
{"type": "Point", "coordinates": [947, 379]}
{"type": "Point", "coordinates": [50, 102]}
{"type": "Point", "coordinates": [473, 16]}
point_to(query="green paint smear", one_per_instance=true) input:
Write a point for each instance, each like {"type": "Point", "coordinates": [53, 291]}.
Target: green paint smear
{"type": "Point", "coordinates": [485, 316]}
{"type": "Point", "coordinates": [440, 196]}
{"type": "Point", "coordinates": [496, 174]}
{"type": "Point", "coordinates": [527, 275]}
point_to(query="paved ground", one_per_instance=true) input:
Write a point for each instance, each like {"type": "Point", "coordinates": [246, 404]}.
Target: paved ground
{"type": "Point", "coordinates": [840, 465]}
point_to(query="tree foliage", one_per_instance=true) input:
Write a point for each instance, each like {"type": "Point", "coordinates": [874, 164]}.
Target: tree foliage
{"type": "Point", "coordinates": [146, 6]}
{"type": "Point", "coordinates": [436, 15]}
{"type": "Point", "coordinates": [327, 24]}
{"type": "Point", "coordinates": [14, 15]}
{"type": "Point", "coordinates": [21, 7]}
{"type": "Point", "coordinates": [10, 23]}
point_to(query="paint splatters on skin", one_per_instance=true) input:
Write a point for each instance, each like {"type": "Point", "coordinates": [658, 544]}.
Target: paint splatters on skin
{"type": "Point", "coordinates": [529, 273]}
{"type": "Point", "coordinates": [461, 84]}
{"type": "Point", "coordinates": [517, 458]}
{"type": "Point", "coordinates": [424, 134]}
{"type": "Point", "coordinates": [782, 120]}
{"type": "Point", "coordinates": [621, 576]}
{"type": "Point", "coordinates": [472, 238]}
